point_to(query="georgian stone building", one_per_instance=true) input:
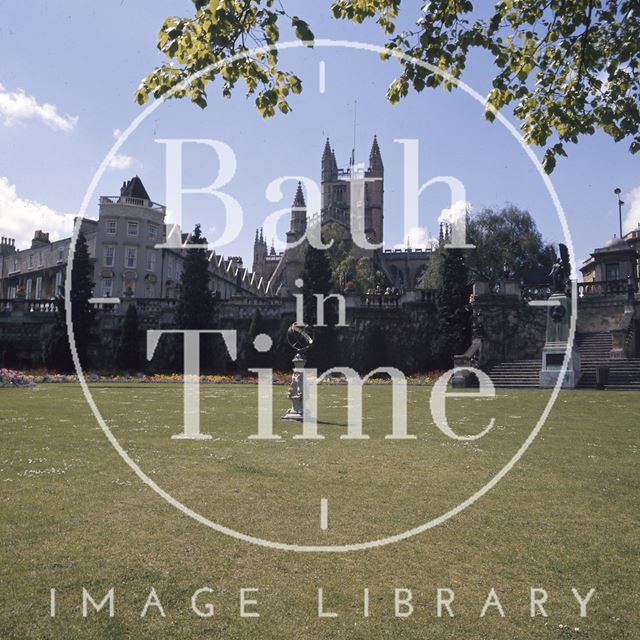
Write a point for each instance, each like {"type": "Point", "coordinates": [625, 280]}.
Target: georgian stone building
{"type": "Point", "coordinates": [617, 260]}
{"type": "Point", "coordinates": [128, 261]}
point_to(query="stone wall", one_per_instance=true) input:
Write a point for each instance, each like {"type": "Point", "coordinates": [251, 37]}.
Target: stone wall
{"type": "Point", "coordinates": [602, 313]}
{"type": "Point", "coordinates": [510, 329]}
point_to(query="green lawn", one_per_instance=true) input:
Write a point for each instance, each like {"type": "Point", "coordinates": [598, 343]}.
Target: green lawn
{"type": "Point", "coordinates": [74, 515]}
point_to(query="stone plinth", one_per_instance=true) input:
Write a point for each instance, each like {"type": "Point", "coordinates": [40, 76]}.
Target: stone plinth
{"type": "Point", "coordinates": [553, 356]}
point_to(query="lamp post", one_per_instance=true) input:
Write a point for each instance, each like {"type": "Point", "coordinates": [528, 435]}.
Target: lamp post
{"type": "Point", "coordinates": [620, 203]}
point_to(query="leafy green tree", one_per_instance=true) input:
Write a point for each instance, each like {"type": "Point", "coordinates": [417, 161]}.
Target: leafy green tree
{"type": "Point", "coordinates": [222, 29]}
{"type": "Point", "coordinates": [128, 352]}
{"type": "Point", "coordinates": [509, 240]}
{"type": "Point", "coordinates": [344, 265]}
{"type": "Point", "coordinates": [57, 351]}
{"type": "Point", "coordinates": [454, 314]}
{"type": "Point", "coordinates": [565, 68]}
{"type": "Point", "coordinates": [432, 276]}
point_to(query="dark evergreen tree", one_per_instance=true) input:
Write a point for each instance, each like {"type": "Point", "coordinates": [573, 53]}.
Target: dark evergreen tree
{"type": "Point", "coordinates": [254, 358]}
{"type": "Point", "coordinates": [454, 313]}
{"type": "Point", "coordinates": [373, 350]}
{"type": "Point", "coordinates": [316, 275]}
{"type": "Point", "coordinates": [196, 303]}
{"type": "Point", "coordinates": [282, 351]}
{"type": "Point", "coordinates": [57, 352]}
{"type": "Point", "coordinates": [128, 353]}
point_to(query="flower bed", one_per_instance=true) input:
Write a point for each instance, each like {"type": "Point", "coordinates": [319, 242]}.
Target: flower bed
{"type": "Point", "coordinates": [278, 378]}
{"type": "Point", "coordinates": [10, 378]}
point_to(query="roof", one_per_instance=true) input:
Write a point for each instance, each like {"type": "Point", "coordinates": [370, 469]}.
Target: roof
{"type": "Point", "coordinates": [614, 244]}
{"type": "Point", "coordinates": [134, 189]}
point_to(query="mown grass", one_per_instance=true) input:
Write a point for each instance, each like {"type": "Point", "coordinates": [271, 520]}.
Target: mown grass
{"type": "Point", "coordinates": [74, 515]}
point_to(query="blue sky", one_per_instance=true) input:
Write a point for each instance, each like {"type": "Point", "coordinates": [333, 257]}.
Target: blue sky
{"type": "Point", "coordinates": [85, 60]}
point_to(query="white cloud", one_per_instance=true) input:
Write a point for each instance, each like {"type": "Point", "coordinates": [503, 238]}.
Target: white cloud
{"type": "Point", "coordinates": [19, 218]}
{"type": "Point", "coordinates": [632, 202]}
{"type": "Point", "coordinates": [457, 210]}
{"type": "Point", "coordinates": [420, 238]}
{"type": "Point", "coordinates": [120, 162]}
{"type": "Point", "coordinates": [117, 133]}
{"type": "Point", "coordinates": [17, 105]}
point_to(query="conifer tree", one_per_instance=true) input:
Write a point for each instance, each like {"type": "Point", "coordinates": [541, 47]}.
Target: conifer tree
{"type": "Point", "coordinates": [253, 357]}
{"type": "Point", "coordinates": [128, 354]}
{"type": "Point", "coordinates": [316, 276]}
{"type": "Point", "coordinates": [57, 351]}
{"type": "Point", "coordinates": [196, 303]}
{"type": "Point", "coordinates": [454, 316]}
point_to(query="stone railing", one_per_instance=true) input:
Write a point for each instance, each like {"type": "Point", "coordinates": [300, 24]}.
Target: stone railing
{"type": "Point", "coordinates": [136, 202]}
{"type": "Point", "coordinates": [390, 299]}
{"type": "Point", "coordinates": [535, 292]}
{"type": "Point", "coordinates": [607, 288]}
{"type": "Point", "coordinates": [22, 305]}
{"type": "Point", "coordinates": [154, 306]}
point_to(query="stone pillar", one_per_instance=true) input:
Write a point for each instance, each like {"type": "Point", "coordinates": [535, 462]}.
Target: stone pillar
{"type": "Point", "coordinates": [553, 353]}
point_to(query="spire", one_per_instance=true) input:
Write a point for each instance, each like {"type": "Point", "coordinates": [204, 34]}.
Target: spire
{"type": "Point", "coordinates": [327, 149]}
{"type": "Point", "coordinates": [261, 236]}
{"type": "Point", "coordinates": [375, 157]}
{"type": "Point", "coordinates": [298, 201]}
{"type": "Point", "coordinates": [329, 164]}
{"type": "Point", "coordinates": [256, 240]}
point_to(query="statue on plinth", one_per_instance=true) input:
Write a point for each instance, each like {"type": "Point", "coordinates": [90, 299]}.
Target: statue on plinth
{"type": "Point", "coordinates": [561, 271]}
{"type": "Point", "coordinates": [558, 329]}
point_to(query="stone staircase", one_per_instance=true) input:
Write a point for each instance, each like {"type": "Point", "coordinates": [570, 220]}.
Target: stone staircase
{"type": "Point", "coordinates": [594, 349]}
{"type": "Point", "coordinates": [516, 374]}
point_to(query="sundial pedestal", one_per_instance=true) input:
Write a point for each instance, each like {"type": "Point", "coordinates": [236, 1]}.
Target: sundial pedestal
{"type": "Point", "coordinates": [296, 389]}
